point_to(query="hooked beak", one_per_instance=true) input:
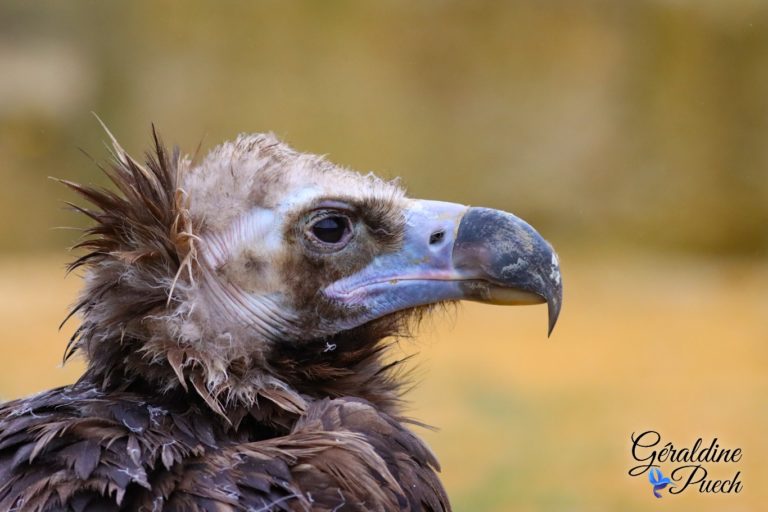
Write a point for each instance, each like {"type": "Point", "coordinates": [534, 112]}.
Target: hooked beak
{"type": "Point", "coordinates": [454, 252]}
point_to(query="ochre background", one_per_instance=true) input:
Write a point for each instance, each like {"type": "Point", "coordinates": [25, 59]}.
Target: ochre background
{"type": "Point", "coordinates": [632, 134]}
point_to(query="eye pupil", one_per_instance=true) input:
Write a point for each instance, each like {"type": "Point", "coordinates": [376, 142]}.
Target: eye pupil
{"type": "Point", "coordinates": [331, 230]}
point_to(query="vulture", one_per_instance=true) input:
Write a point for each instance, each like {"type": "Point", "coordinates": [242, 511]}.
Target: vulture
{"type": "Point", "coordinates": [235, 318]}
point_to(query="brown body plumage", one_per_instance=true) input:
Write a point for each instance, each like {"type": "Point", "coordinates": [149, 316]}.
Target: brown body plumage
{"type": "Point", "coordinates": [221, 376]}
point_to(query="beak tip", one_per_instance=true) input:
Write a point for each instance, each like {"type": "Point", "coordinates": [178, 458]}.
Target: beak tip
{"type": "Point", "coordinates": [551, 328]}
{"type": "Point", "coordinates": [553, 307]}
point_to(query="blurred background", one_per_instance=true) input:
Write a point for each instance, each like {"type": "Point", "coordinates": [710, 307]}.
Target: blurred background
{"type": "Point", "coordinates": [633, 135]}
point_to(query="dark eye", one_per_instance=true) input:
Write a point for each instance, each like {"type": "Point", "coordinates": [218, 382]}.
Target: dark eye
{"type": "Point", "coordinates": [331, 230]}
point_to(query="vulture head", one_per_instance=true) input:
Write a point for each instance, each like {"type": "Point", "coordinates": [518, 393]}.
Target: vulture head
{"type": "Point", "coordinates": [234, 321]}
{"type": "Point", "coordinates": [264, 275]}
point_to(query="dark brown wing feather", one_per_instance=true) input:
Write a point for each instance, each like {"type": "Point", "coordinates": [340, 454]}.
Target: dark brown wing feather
{"type": "Point", "coordinates": [76, 448]}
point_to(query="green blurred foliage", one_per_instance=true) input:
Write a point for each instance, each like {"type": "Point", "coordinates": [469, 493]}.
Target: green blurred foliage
{"type": "Point", "coordinates": [640, 124]}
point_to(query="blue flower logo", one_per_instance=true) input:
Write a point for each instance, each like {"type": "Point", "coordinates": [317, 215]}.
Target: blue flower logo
{"type": "Point", "coordinates": [658, 481]}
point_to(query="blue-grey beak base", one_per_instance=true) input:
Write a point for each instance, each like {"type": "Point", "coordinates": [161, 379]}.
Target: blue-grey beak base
{"type": "Point", "coordinates": [453, 252]}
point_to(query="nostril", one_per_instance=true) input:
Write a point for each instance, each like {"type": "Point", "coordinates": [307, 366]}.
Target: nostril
{"type": "Point", "coordinates": [436, 237]}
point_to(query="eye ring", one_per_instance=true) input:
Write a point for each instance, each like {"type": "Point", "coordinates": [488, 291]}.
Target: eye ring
{"type": "Point", "coordinates": [329, 230]}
